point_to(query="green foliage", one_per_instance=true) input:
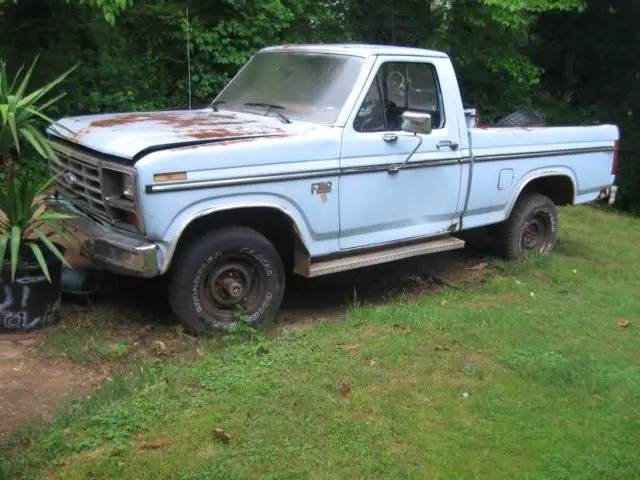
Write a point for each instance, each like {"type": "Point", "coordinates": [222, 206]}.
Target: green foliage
{"type": "Point", "coordinates": [109, 8]}
{"type": "Point", "coordinates": [23, 218]}
{"type": "Point", "coordinates": [21, 114]}
{"type": "Point", "coordinates": [22, 223]}
{"type": "Point", "coordinates": [509, 54]}
{"type": "Point", "coordinates": [591, 61]}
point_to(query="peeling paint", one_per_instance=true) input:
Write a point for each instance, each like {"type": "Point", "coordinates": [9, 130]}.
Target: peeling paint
{"type": "Point", "coordinates": [178, 120]}
{"type": "Point", "coordinates": [225, 132]}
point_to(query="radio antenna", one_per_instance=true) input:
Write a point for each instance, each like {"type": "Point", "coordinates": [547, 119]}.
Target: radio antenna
{"type": "Point", "coordinates": [189, 58]}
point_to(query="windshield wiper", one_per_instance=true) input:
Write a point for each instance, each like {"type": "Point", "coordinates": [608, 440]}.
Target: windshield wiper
{"type": "Point", "coordinates": [214, 104]}
{"type": "Point", "coordinates": [270, 108]}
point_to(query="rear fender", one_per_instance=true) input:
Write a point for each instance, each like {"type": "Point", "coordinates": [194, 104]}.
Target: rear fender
{"type": "Point", "coordinates": [541, 173]}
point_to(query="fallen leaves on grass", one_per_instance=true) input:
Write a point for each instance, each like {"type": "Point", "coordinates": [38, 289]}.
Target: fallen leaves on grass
{"type": "Point", "coordinates": [222, 436]}
{"type": "Point", "coordinates": [624, 323]}
{"type": "Point", "coordinates": [155, 444]}
{"type": "Point", "coordinates": [344, 389]}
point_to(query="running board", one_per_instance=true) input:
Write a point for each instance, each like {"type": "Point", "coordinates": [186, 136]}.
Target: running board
{"type": "Point", "coordinates": [375, 257]}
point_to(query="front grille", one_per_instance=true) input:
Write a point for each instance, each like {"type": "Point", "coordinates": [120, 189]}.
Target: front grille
{"type": "Point", "coordinates": [80, 180]}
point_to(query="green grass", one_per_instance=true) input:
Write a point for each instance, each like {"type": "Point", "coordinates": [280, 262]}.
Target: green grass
{"type": "Point", "coordinates": [552, 384]}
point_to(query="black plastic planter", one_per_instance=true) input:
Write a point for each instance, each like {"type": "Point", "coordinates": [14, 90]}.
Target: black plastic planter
{"type": "Point", "coordinates": [30, 301]}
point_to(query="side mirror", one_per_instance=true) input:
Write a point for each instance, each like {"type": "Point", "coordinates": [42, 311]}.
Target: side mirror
{"type": "Point", "coordinates": [416, 122]}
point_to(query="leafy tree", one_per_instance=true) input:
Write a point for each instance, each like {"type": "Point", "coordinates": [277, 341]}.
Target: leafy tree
{"type": "Point", "coordinates": [508, 54]}
{"type": "Point", "coordinates": [109, 8]}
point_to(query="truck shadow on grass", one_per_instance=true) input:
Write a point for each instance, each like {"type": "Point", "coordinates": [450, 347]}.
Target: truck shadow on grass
{"type": "Point", "coordinates": [320, 298]}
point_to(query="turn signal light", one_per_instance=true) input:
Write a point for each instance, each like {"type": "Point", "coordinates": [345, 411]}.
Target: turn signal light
{"type": "Point", "coordinates": [169, 177]}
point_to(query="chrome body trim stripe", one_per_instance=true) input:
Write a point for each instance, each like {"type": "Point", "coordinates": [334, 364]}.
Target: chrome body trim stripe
{"type": "Point", "coordinates": [282, 177]}
{"type": "Point", "coordinates": [387, 166]}
{"type": "Point", "coordinates": [548, 153]}
{"type": "Point", "coordinates": [228, 182]}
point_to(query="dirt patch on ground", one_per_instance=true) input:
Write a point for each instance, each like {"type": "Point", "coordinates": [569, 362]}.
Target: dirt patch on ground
{"type": "Point", "coordinates": [32, 388]}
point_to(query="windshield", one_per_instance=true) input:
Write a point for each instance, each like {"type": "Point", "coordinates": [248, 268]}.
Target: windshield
{"type": "Point", "coordinates": [311, 87]}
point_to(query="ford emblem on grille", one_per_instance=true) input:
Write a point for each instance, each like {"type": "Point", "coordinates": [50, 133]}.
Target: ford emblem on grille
{"type": "Point", "coordinates": [69, 178]}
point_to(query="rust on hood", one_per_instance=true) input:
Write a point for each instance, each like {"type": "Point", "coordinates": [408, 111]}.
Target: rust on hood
{"type": "Point", "coordinates": [239, 132]}
{"type": "Point", "coordinates": [172, 119]}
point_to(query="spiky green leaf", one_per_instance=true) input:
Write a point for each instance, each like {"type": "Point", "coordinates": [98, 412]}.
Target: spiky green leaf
{"type": "Point", "coordinates": [33, 141]}
{"type": "Point", "coordinates": [13, 127]}
{"type": "Point", "coordinates": [25, 81]}
{"type": "Point", "coordinates": [4, 239]}
{"type": "Point", "coordinates": [16, 240]}
{"type": "Point", "coordinates": [53, 248]}
{"type": "Point", "coordinates": [40, 259]}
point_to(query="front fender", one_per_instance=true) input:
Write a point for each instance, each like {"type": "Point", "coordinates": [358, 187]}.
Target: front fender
{"type": "Point", "coordinates": [233, 202]}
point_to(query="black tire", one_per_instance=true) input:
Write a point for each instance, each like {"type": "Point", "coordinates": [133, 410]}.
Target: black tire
{"type": "Point", "coordinates": [212, 267]}
{"type": "Point", "coordinates": [521, 119]}
{"type": "Point", "coordinates": [532, 226]}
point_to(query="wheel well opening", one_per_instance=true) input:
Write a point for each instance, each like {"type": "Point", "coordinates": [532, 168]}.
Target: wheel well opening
{"type": "Point", "coordinates": [558, 188]}
{"type": "Point", "coordinates": [275, 225]}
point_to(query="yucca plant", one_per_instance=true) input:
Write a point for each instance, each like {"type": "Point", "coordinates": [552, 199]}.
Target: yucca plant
{"type": "Point", "coordinates": [21, 114]}
{"type": "Point", "coordinates": [23, 215]}
{"type": "Point", "coordinates": [26, 215]}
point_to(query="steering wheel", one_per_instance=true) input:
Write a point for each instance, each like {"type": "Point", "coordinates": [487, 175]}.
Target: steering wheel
{"type": "Point", "coordinates": [369, 118]}
{"type": "Point", "coordinates": [396, 83]}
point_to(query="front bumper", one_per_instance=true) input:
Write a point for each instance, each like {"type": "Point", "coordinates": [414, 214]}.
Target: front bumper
{"type": "Point", "coordinates": [109, 248]}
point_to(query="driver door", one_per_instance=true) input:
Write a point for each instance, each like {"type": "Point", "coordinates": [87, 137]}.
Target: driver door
{"type": "Point", "coordinates": [378, 205]}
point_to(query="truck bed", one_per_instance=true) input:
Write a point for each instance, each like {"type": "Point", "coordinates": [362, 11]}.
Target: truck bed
{"type": "Point", "coordinates": [506, 159]}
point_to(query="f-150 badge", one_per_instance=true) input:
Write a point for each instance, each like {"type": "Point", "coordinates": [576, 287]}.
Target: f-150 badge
{"type": "Point", "coordinates": [321, 188]}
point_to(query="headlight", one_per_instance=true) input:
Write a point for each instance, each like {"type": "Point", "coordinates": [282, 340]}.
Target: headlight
{"type": "Point", "coordinates": [119, 189]}
{"type": "Point", "coordinates": [128, 188]}
{"type": "Point", "coordinates": [118, 184]}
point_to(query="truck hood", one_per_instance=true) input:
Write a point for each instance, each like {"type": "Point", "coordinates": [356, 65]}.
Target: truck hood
{"type": "Point", "coordinates": [127, 135]}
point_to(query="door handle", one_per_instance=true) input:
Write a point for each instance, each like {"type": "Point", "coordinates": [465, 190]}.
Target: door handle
{"type": "Point", "coordinates": [447, 143]}
{"type": "Point", "coordinates": [389, 137]}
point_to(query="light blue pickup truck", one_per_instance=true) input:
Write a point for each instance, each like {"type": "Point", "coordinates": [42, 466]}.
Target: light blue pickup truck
{"type": "Point", "coordinates": [315, 159]}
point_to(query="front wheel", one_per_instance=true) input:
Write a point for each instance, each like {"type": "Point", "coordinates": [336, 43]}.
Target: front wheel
{"type": "Point", "coordinates": [227, 278]}
{"type": "Point", "coordinates": [531, 227]}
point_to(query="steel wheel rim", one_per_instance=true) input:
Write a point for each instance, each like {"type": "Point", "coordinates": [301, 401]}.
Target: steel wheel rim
{"type": "Point", "coordinates": [536, 233]}
{"type": "Point", "coordinates": [230, 287]}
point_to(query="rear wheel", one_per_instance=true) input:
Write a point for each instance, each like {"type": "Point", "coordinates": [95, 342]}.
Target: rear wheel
{"type": "Point", "coordinates": [531, 227]}
{"type": "Point", "coordinates": [227, 278]}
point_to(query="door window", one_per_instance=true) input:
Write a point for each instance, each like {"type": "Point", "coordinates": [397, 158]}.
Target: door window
{"type": "Point", "coordinates": [397, 87]}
